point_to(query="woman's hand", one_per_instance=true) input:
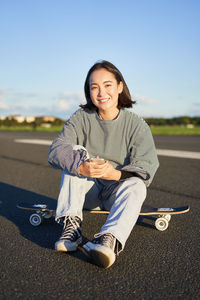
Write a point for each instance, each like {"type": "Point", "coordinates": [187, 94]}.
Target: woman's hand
{"type": "Point", "coordinates": [105, 171]}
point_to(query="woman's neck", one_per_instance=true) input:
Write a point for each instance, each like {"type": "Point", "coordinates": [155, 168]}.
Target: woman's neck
{"type": "Point", "coordinates": [109, 115]}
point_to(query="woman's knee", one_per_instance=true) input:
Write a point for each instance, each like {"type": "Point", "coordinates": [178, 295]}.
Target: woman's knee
{"type": "Point", "coordinates": [136, 185]}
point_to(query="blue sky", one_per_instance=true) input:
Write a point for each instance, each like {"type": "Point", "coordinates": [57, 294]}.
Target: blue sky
{"type": "Point", "coordinates": [47, 48]}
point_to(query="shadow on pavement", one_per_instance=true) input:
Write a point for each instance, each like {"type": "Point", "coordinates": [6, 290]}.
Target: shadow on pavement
{"type": "Point", "coordinates": [44, 235]}
{"type": "Point", "coordinates": [48, 232]}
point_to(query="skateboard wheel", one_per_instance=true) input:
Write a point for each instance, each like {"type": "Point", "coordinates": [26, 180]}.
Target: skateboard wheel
{"type": "Point", "coordinates": [161, 224]}
{"type": "Point", "coordinates": [35, 219]}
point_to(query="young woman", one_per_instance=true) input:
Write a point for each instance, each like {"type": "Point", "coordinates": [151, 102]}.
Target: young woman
{"type": "Point", "coordinates": [103, 128]}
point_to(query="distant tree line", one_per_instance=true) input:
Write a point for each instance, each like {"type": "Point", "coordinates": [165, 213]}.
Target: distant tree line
{"type": "Point", "coordinates": [12, 122]}
{"type": "Point", "coordinates": [176, 121]}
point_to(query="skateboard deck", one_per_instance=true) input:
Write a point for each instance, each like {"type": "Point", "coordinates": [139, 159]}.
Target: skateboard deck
{"type": "Point", "coordinates": [163, 215]}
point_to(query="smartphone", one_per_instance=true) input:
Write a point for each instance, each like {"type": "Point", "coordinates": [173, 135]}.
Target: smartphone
{"type": "Point", "coordinates": [98, 161]}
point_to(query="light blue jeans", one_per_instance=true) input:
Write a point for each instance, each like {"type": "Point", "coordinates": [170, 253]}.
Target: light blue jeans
{"type": "Point", "coordinates": [122, 198]}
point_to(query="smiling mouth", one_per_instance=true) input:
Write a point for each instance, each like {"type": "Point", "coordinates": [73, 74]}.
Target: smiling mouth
{"type": "Point", "coordinates": [103, 100]}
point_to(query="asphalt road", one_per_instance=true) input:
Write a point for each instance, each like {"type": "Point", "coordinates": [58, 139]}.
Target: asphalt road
{"type": "Point", "coordinates": [153, 265]}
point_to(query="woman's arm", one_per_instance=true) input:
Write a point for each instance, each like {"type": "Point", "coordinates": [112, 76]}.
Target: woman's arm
{"type": "Point", "coordinates": [143, 157]}
{"type": "Point", "coordinates": [61, 152]}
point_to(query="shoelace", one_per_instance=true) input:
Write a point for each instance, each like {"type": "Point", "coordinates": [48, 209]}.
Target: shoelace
{"type": "Point", "coordinates": [106, 239]}
{"type": "Point", "coordinates": [71, 228]}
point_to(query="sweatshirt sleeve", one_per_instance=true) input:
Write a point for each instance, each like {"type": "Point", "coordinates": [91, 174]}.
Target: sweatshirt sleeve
{"type": "Point", "coordinates": [61, 152]}
{"type": "Point", "coordinates": [143, 157]}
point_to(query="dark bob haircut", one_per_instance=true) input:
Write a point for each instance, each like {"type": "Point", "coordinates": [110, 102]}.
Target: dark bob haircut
{"type": "Point", "coordinates": [124, 99]}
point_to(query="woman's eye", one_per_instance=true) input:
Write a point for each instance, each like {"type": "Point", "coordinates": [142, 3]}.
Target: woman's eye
{"type": "Point", "coordinates": [93, 87]}
{"type": "Point", "coordinates": [107, 85]}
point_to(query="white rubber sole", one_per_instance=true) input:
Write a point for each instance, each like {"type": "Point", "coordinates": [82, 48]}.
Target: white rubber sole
{"type": "Point", "coordinates": [102, 256]}
{"type": "Point", "coordinates": [66, 246]}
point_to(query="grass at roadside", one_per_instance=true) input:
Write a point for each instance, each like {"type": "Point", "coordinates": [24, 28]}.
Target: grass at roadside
{"type": "Point", "coordinates": [27, 128]}
{"type": "Point", "coordinates": [175, 130]}
{"type": "Point", "coordinates": [156, 130]}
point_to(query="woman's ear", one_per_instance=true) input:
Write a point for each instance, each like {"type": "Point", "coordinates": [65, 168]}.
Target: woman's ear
{"type": "Point", "coordinates": [120, 87]}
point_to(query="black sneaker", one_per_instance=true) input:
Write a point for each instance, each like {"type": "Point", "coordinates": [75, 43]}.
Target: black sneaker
{"type": "Point", "coordinates": [102, 250]}
{"type": "Point", "coordinates": [71, 235]}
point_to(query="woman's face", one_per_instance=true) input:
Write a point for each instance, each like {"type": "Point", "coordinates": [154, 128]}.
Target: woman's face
{"type": "Point", "coordinates": [104, 91]}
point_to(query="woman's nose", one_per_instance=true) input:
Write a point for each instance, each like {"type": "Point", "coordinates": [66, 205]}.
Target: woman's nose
{"type": "Point", "coordinates": [101, 92]}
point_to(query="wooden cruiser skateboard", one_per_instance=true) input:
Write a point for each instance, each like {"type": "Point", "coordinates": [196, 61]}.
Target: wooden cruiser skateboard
{"type": "Point", "coordinates": [163, 215]}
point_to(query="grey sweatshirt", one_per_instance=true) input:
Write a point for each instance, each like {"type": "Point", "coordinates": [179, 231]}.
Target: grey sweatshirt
{"type": "Point", "coordinates": [126, 142]}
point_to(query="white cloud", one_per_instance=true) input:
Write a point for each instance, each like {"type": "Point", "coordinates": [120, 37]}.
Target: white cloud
{"type": "Point", "coordinates": [62, 105]}
{"type": "Point", "coordinates": [3, 105]}
{"type": "Point", "coordinates": [23, 103]}
{"type": "Point", "coordinates": [13, 102]}
{"type": "Point", "coordinates": [145, 106]}
{"type": "Point", "coordinates": [68, 101]}
{"type": "Point", "coordinates": [13, 94]}
{"type": "Point", "coordinates": [14, 108]}
{"type": "Point", "coordinates": [26, 95]}
{"type": "Point", "coordinates": [3, 92]}
{"type": "Point", "coordinates": [72, 97]}
{"type": "Point", "coordinates": [196, 104]}
{"type": "Point", "coordinates": [144, 100]}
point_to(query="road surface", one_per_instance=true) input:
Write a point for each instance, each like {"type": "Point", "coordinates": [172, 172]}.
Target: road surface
{"type": "Point", "coordinates": [153, 265]}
